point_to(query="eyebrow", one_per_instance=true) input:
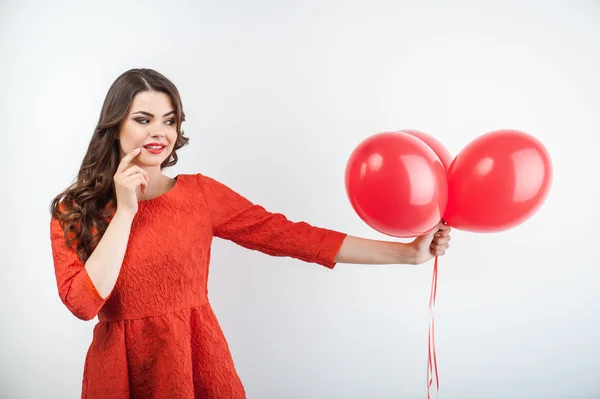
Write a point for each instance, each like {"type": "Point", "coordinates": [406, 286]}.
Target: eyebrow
{"type": "Point", "coordinates": [149, 114]}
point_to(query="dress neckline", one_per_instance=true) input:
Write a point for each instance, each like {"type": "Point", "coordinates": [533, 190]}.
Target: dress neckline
{"type": "Point", "coordinates": [164, 195]}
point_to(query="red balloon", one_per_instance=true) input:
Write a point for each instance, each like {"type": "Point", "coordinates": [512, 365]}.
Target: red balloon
{"type": "Point", "coordinates": [396, 184]}
{"type": "Point", "coordinates": [497, 181]}
{"type": "Point", "coordinates": [440, 150]}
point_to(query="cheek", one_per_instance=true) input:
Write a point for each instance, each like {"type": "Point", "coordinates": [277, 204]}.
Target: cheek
{"type": "Point", "coordinates": [131, 135]}
{"type": "Point", "coordinates": [172, 137]}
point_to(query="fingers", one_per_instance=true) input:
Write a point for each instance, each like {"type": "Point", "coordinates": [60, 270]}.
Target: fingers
{"type": "Point", "coordinates": [144, 184]}
{"type": "Point", "coordinates": [438, 253]}
{"type": "Point", "coordinates": [126, 159]}
{"type": "Point", "coordinates": [439, 250]}
{"type": "Point", "coordinates": [135, 169]}
{"type": "Point", "coordinates": [131, 174]}
{"type": "Point", "coordinates": [443, 232]}
{"type": "Point", "coordinates": [135, 180]}
{"type": "Point", "coordinates": [124, 175]}
{"type": "Point", "coordinates": [440, 247]}
{"type": "Point", "coordinates": [443, 226]}
{"type": "Point", "coordinates": [441, 240]}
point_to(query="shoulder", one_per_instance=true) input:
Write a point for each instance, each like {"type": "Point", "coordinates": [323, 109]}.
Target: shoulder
{"type": "Point", "coordinates": [199, 180]}
{"type": "Point", "coordinates": [58, 216]}
{"type": "Point", "coordinates": [212, 189]}
{"type": "Point", "coordinates": [59, 210]}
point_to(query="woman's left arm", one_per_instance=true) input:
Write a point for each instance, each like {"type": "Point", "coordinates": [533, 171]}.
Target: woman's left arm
{"type": "Point", "coordinates": [237, 219]}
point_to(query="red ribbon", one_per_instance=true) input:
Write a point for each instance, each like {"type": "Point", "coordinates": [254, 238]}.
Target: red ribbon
{"type": "Point", "coordinates": [432, 359]}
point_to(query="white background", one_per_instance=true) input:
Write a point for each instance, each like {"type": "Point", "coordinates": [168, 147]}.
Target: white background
{"type": "Point", "coordinates": [277, 95]}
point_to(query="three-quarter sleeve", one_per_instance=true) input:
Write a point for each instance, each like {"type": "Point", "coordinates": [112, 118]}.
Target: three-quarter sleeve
{"type": "Point", "coordinates": [75, 288]}
{"type": "Point", "coordinates": [237, 219]}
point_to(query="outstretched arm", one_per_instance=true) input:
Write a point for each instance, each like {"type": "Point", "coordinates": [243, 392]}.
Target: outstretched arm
{"type": "Point", "coordinates": [237, 219]}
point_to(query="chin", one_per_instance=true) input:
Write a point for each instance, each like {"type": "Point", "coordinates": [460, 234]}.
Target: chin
{"type": "Point", "coordinates": [152, 162]}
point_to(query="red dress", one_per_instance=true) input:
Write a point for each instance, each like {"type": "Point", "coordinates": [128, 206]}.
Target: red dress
{"type": "Point", "coordinates": [157, 336]}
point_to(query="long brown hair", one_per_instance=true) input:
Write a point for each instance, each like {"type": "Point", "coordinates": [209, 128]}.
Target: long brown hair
{"type": "Point", "coordinates": [85, 208]}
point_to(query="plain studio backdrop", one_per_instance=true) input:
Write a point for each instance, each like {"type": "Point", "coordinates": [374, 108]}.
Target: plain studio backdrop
{"type": "Point", "coordinates": [277, 95]}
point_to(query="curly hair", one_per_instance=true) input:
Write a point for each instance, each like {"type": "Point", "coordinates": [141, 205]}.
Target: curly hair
{"type": "Point", "coordinates": [86, 207]}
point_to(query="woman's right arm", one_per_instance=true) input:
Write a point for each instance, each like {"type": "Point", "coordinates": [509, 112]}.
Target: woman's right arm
{"type": "Point", "coordinates": [84, 288]}
{"type": "Point", "coordinates": [104, 264]}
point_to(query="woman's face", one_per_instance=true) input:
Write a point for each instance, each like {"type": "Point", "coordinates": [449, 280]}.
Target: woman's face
{"type": "Point", "coordinates": [151, 120]}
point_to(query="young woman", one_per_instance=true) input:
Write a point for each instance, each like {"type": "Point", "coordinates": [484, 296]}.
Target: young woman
{"type": "Point", "coordinates": [132, 246]}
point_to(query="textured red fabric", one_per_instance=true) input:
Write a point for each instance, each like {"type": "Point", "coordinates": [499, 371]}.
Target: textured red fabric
{"type": "Point", "coordinates": [157, 335]}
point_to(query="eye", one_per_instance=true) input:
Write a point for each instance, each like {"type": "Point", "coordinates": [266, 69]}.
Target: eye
{"type": "Point", "coordinates": [144, 121]}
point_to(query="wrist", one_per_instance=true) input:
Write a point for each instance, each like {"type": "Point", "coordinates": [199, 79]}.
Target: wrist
{"type": "Point", "coordinates": [125, 215]}
{"type": "Point", "coordinates": [406, 254]}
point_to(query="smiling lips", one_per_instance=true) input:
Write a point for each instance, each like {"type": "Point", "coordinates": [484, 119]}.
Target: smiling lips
{"type": "Point", "coordinates": [155, 148]}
